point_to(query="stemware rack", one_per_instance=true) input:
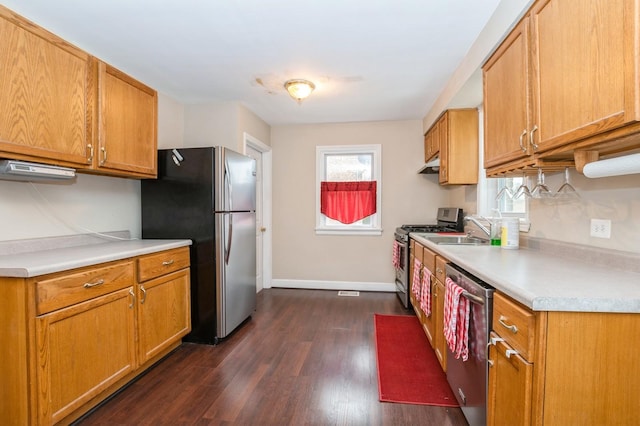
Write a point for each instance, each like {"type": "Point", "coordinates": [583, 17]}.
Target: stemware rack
{"type": "Point", "coordinates": [529, 167]}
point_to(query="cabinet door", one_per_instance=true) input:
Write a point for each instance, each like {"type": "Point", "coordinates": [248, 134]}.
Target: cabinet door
{"type": "Point", "coordinates": [127, 124]}
{"type": "Point", "coordinates": [44, 101]}
{"type": "Point", "coordinates": [427, 146]}
{"type": "Point", "coordinates": [438, 324]}
{"type": "Point", "coordinates": [443, 131]}
{"type": "Point", "coordinates": [82, 350]}
{"type": "Point", "coordinates": [164, 314]}
{"type": "Point", "coordinates": [510, 386]}
{"type": "Point", "coordinates": [506, 108]}
{"type": "Point", "coordinates": [584, 68]}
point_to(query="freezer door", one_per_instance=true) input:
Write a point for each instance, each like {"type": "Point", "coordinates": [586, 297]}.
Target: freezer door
{"type": "Point", "coordinates": [236, 181]}
{"type": "Point", "coordinates": [236, 269]}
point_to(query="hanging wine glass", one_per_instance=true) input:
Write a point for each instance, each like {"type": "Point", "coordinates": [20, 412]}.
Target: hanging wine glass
{"type": "Point", "coordinates": [566, 190]}
{"type": "Point", "coordinates": [541, 190]}
{"type": "Point", "coordinates": [504, 192]}
{"type": "Point", "coordinates": [523, 189]}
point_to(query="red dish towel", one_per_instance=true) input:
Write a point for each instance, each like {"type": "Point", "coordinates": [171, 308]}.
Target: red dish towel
{"type": "Point", "coordinates": [415, 280]}
{"type": "Point", "coordinates": [396, 255]}
{"type": "Point", "coordinates": [425, 295]}
{"type": "Point", "coordinates": [456, 320]}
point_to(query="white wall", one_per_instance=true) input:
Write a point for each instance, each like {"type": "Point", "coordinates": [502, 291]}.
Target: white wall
{"type": "Point", "coordinates": [91, 204]}
{"type": "Point", "coordinates": [614, 198]}
{"type": "Point", "coordinates": [170, 122]}
{"type": "Point", "coordinates": [407, 197]}
{"type": "Point", "coordinates": [222, 123]}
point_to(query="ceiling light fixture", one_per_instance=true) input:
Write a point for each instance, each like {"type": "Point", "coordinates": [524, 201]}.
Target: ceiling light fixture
{"type": "Point", "coordinates": [299, 89]}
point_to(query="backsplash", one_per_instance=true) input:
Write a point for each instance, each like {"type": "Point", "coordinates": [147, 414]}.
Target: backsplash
{"type": "Point", "coordinates": [614, 198]}
{"type": "Point", "coordinates": [90, 204]}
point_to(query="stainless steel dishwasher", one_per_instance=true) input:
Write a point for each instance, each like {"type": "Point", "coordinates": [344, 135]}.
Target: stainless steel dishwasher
{"type": "Point", "coordinates": [469, 379]}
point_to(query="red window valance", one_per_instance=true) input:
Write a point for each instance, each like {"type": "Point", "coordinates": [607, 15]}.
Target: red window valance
{"type": "Point", "coordinates": [348, 202]}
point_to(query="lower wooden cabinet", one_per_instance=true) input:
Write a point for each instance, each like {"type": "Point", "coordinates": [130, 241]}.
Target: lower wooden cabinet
{"type": "Point", "coordinates": [163, 313]}
{"type": "Point", "coordinates": [70, 339]}
{"type": "Point", "coordinates": [440, 344]}
{"type": "Point", "coordinates": [562, 368]}
{"type": "Point", "coordinates": [82, 350]}
{"type": "Point", "coordinates": [433, 324]}
{"type": "Point", "coordinates": [510, 386]}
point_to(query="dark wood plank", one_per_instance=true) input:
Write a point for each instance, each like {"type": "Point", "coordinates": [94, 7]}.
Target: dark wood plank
{"type": "Point", "coordinates": [307, 357]}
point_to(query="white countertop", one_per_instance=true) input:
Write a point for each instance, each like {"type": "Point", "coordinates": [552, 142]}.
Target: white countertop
{"type": "Point", "coordinates": [34, 263]}
{"type": "Point", "coordinates": [545, 282]}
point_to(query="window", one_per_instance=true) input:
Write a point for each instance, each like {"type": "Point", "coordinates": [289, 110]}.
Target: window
{"type": "Point", "coordinates": [504, 190]}
{"type": "Point", "coordinates": [350, 163]}
{"type": "Point", "coordinates": [498, 198]}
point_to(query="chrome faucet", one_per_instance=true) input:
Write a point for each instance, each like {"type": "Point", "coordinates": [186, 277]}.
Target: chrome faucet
{"type": "Point", "coordinates": [478, 224]}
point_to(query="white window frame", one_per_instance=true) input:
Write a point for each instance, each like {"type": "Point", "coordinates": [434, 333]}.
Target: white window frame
{"type": "Point", "coordinates": [489, 206]}
{"type": "Point", "coordinates": [374, 228]}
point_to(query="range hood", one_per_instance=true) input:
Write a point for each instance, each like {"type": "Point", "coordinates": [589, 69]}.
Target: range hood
{"type": "Point", "coordinates": [24, 171]}
{"type": "Point", "coordinates": [431, 167]}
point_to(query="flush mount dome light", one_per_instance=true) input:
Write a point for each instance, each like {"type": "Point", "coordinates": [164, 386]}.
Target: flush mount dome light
{"type": "Point", "coordinates": [299, 89]}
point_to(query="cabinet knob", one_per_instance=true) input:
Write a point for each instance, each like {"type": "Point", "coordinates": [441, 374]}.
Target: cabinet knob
{"type": "Point", "coordinates": [93, 284]}
{"type": "Point", "coordinates": [133, 298]}
{"type": "Point", "coordinates": [167, 262]}
{"type": "Point", "coordinates": [510, 352]}
{"type": "Point", "coordinates": [533, 144]}
{"type": "Point", "coordinates": [144, 294]}
{"type": "Point", "coordinates": [512, 328]}
{"type": "Point", "coordinates": [104, 155]}
{"type": "Point", "coordinates": [522, 135]}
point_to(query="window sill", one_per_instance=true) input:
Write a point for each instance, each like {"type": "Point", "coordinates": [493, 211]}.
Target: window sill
{"type": "Point", "coordinates": [352, 231]}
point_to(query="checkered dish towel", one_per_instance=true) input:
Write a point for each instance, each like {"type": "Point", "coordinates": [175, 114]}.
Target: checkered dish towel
{"type": "Point", "coordinates": [415, 280]}
{"type": "Point", "coordinates": [456, 320]}
{"type": "Point", "coordinates": [425, 296]}
{"type": "Point", "coordinates": [396, 254]}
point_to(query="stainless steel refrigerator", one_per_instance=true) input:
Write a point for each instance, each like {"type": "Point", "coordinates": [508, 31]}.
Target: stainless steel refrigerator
{"type": "Point", "coordinates": [208, 195]}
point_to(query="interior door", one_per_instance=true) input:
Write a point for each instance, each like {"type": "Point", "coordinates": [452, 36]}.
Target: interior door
{"type": "Point", "coordinates": [260, 228]}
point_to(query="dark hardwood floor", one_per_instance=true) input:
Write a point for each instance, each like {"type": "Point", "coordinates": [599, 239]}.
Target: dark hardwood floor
{"type": "Point", "coordinates": [307, 357]}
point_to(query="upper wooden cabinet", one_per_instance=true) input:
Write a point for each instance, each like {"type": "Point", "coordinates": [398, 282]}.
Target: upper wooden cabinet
{"type": "Point", "coordinates": [565, 79]}
{"type": "Point", "coordinates": [506, 110]}
{"type": "Point", "coordinates": [44, 95]}
{"type": "Point", "coordinates": [454, 139]}
{"type": "Point", "coordinates": [459, 147]}
{"type": "Point", "coordinates": [432, 142]}
{"type": "Point", "coordinates": [59, 105]}
{"type": "Point", "coordinates": [126, 125]}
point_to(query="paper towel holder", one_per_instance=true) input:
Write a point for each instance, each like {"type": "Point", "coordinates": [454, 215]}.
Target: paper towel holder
{"type": "Point", "coordinates": [616, 166]}
{"type": "Point", "coordinates": [582, 158]}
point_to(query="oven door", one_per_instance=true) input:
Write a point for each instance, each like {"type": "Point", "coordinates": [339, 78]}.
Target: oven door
{"type": "Point", "coordinates": [402, 272]}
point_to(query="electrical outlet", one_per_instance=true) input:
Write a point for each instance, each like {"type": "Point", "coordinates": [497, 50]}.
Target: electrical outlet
{"type": "Point", "coordinates": [601, 228]}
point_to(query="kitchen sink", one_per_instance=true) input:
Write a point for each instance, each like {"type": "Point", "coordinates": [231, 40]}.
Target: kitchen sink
{"type": "Point", "coordinates": [458, 240]}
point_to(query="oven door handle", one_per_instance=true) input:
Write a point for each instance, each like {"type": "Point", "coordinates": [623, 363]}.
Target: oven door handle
{"type": "Point", "coordinates": [473, 298]}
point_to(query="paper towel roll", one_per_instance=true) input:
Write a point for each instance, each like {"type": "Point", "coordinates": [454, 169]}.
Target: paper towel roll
{"type": "Point", "coordinates": [627, 165]}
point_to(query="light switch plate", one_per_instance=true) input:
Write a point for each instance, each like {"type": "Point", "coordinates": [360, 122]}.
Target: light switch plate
{"type": "Point", "coordinates": [601, 228]}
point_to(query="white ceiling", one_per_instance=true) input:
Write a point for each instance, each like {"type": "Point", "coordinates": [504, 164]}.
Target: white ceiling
{"type": "Point", "coordinates": [370, 60]}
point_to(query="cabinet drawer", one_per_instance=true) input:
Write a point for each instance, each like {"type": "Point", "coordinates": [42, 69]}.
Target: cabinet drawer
{"type": "Point", "coordinates": [158, 264]}
{"type": "Point", "coordinates": [515, 324]}
{"type": "Point", "coordinates": [441, 262]}
{"type": "Point", "coordinates": [429, 259]}
{"type": "Point", "coordinates": [84, 284]}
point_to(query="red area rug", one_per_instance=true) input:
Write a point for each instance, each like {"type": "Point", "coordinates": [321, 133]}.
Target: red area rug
{"type": "Point", "coordinates": [408, 370]}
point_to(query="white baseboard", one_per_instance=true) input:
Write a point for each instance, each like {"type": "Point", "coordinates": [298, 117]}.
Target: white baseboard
{"type": "Point", "coordinates": [334, 285]}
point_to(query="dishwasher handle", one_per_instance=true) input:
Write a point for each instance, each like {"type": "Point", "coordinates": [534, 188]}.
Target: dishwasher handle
{"type": "Point", "coordinates": [472, 298]}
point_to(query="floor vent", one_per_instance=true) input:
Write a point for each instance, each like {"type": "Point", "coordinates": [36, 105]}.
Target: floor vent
{"type": "Point", "coordinates": [348, 293]}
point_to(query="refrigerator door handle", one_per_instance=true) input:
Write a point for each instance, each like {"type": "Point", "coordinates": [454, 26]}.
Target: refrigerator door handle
{"type": "Point", "coordinates": [229, 239]}
{"type": "Point", "coordinates": [229, 187]}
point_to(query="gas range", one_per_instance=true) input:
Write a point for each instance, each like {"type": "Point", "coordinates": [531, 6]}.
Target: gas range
{"type": "Point", "coordinates": [449, 220]}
